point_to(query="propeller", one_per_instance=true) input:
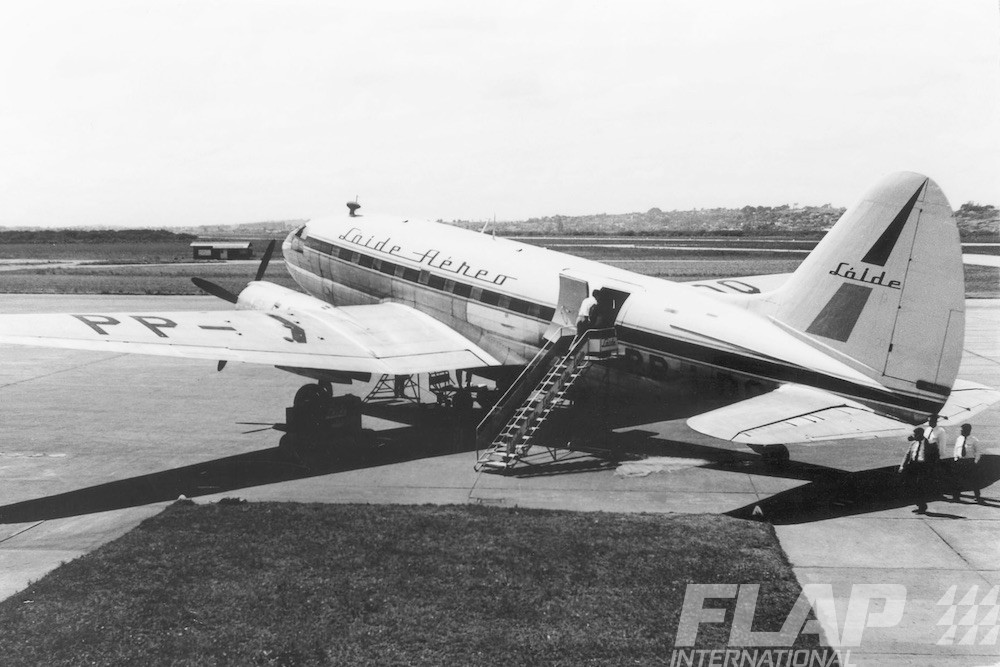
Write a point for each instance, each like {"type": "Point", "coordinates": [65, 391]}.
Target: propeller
{"type": "Point", "coordinates": [226, 295]}
{"type": "Point", "coordinates": [214, 290]}
{"type": "Point", "coordinates": [222, 292]}
{"type": "Point", "coordinates": [268, 426]}
{"type": "Point", "coordinates": [264, 262]}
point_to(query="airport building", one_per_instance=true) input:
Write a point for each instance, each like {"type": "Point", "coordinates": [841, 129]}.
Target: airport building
{"type": "Point", "coordinates": [222, 250]}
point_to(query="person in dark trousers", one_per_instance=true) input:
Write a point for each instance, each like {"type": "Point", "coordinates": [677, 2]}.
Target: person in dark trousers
{"type": "Point", "coordinates": [937, 443]}
{"type": "Point", "coordinates": [399, 385]}
{"type": "Point", "coordinates": [965, 464]}
{"type": "Point", "coordinates": [917, 466]}
{"type": "Point", "coordinates": [465, 422]}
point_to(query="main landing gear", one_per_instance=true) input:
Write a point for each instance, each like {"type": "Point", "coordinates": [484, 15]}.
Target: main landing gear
{"type": "Point", "coordinates": [317, 419]}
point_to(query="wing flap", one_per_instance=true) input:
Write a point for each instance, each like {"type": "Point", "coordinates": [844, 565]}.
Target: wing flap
{"type": "Point", "coordinates": [379, 338]}
{"type": "Point", "coordinates": [794, 413]}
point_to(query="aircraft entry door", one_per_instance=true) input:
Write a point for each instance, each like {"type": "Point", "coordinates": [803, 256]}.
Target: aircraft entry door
{"type": "Point", "coordinates": [572, 292]}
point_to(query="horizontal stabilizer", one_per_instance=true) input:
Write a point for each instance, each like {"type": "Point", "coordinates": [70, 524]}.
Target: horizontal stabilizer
{"type": "Point", "coordinates": [795, 413]}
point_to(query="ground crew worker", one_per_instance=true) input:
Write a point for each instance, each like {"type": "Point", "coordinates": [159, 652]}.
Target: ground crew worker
{"type": "Point", "coordinates": [915, 466]}
{"type": "Point", "coordinates": [937, 443]}
{"type": "Point", "coordinates": [965, 463]}
{"type": "Point", "coordinates": [585, 317]}
{"type": "Point", "coordinates": [465, 421]}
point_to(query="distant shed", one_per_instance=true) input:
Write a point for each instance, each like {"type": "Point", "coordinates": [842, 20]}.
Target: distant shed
{"type": "Point", "coordinates": [222, 250]}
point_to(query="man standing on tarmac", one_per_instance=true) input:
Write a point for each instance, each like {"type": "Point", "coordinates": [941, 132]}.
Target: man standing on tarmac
{"type": "Point", "coordinates": [965, 464]}
{"type": "Point", "coordinates": [917, 466]}
{"type": "Point", "coordinates": [937, 444]}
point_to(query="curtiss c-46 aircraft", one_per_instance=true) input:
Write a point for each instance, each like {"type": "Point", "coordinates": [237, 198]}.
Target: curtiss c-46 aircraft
{"type": "Point", "coordinates": [864, 339]}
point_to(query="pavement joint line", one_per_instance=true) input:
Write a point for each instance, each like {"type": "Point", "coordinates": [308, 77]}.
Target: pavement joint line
{"type": "Point", "coordinates": [885, 567]}
{"type": "Point", "coordinates": [22, 531]}
{"type": "Point", "coordinates": [956, 552]}
{"type": "Point", "coordinates": [64, 370]}
{"type": "Point", "coordinates": [753, 486]}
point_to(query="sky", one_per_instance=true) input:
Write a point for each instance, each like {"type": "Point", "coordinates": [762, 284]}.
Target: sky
{"type": "Point", "coordinates": [216, 112]}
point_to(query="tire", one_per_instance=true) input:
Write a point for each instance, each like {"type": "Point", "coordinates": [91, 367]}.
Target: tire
{"type": "Point", "coordinates": [310, 396]}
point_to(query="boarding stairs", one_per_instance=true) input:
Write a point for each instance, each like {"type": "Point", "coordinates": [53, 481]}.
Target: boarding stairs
{"type": "Point", "coordinates": [540, 389]}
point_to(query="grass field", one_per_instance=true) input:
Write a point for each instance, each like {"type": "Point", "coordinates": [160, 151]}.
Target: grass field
{"type": "Point", "coordinates": [288, 584]}
{"type": "Point", "coordinates": [166, 267]}
{"type": "Point", "coordinates": [981, 282]}
{"type": "Point", "coordinates": [135, 278]}
{"type": "Point", "coordinates": [146, 252]}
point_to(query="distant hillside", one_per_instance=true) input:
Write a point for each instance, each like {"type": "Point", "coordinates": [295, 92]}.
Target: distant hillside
{"type": "Point", "coordinates": [978, 221]}
{"type": "Point", "coordinates": [67, 236]}
{"type": "Point", "coordinates": [974, 221]}
{"type": "Point", "coordinates": [246, 229]}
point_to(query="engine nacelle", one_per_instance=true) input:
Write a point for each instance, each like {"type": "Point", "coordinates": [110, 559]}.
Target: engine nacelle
{"type": "Point", "coordinates": [265, 296]}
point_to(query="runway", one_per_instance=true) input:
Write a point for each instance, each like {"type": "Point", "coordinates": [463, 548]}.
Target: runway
{"type": "Point", "coordinates": [92, 443]}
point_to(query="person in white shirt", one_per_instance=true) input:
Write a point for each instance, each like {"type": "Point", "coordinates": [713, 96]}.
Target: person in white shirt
{"type": "Point", "coordinates": [936, 435]}
{"type": "Point", "coordinates": [965, 463]}
{"type": "Point", "coordinates": [917, 465]}
{"type": "Point", "coordinates": [937, 452]}
{"type": "Point", "coordinates": [584, 318]}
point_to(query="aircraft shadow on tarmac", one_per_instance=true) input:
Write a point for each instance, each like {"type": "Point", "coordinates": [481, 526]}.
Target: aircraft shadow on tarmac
{"type": "Point", "coordinates": [826, 493]}
{"type": "Point", "coordinates": [835, 493]}
{"type": "Point", "coordinates": [267, 466]}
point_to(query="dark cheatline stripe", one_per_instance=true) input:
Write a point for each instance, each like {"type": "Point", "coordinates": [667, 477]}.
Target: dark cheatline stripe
{"type": "Point", "coordinates": [924, 385]}
{"type": "Point", "coordinates": [841, 313]}
{"type": "Point", "coordinates": [778, 372]}
{"type": "Point", "coordinates": [879, 253]}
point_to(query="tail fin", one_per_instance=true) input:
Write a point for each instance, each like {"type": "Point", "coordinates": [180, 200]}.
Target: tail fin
{"type": "Point", "coordinates": [885, 289]}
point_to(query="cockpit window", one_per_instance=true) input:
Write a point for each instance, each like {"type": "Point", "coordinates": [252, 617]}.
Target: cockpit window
{"type": "Point", "coordinates": [299, 232]}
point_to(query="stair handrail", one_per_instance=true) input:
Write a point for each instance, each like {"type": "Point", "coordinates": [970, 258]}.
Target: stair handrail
{"type": "Point", "coordinates": [529, 378]}
{"type": "Point", "coordinates": [518, 390]}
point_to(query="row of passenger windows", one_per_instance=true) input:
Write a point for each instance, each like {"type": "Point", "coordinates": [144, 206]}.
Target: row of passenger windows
{"type": "Point", "coordinates": [433, 281]}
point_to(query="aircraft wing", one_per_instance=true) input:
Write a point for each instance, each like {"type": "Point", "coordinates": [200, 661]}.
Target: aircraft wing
{"type": "Point", "coordinates": [380, 338]}
{"type": "Point", "coordinates": [795, 413]}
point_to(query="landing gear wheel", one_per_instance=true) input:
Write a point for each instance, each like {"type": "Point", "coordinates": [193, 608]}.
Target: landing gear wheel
{"type": "Point", "coordinates": [310, 404]}
{"type": "Point", "coordinates": [311, 395]}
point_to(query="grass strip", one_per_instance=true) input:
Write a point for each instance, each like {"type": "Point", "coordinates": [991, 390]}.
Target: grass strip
{"type": "Point", "coordinates": [305, 584]}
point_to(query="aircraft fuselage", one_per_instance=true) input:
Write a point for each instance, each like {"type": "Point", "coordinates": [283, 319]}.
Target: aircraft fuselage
{"type": "Point", "coordinates": [504, 296]}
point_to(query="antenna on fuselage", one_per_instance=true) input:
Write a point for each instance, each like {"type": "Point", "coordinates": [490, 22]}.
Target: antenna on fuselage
{"type": "Point", "coordinates": [353, 207]}
{"type": "Point", "coordinates": [487, 224]}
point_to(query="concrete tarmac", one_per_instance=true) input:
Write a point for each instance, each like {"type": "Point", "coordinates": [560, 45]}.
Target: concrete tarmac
{"type": "Point", "coordinates": [92, 443]}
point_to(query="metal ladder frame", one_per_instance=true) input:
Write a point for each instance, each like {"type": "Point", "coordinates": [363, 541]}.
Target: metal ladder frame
{"type": "Point", "coordinates": [513, 441]}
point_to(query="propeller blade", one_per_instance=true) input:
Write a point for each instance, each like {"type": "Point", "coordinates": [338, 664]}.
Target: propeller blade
{"type": "Point", "coordinates": [263, 263]}
{"type": "Point", "coordinates": [258, 430]}
{"type": "Point", "coordinates": [215, 290]}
